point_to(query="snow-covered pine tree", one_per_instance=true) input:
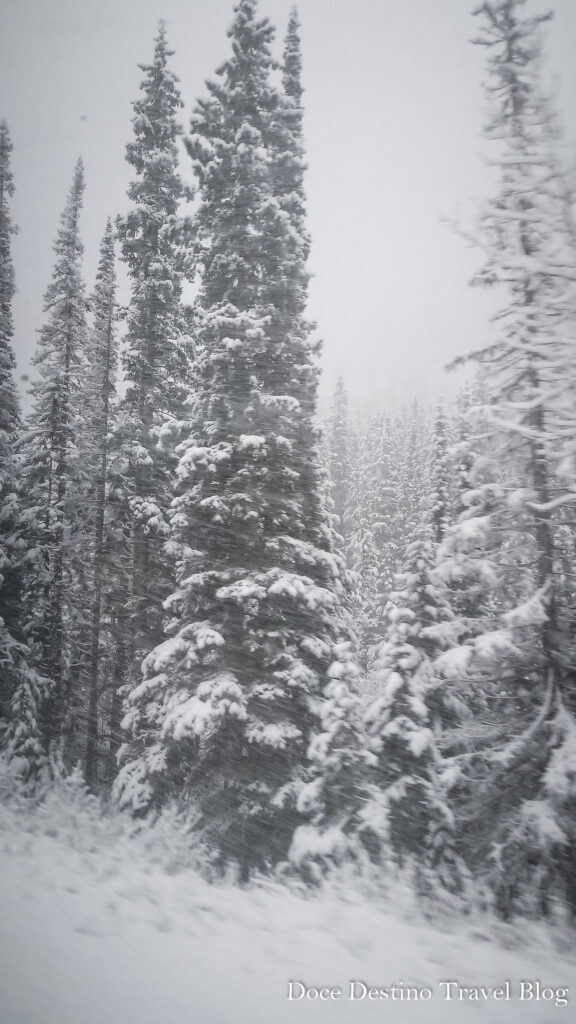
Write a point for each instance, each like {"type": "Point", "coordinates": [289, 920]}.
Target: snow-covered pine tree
{"type": "Point", "coordinates": [155, 240]}
{"type": "Point", "coordinates": [290, 163]}
{"type": "Point", "coordinates": [98, 393]}
{"type": "Point", "coordinates": [465, 430]}
{"type": "Point", "coordinates": [368, 520]}
{"type": "Point", "coordinates": [288, 168]}
{"type": "Point", "coordinates": [404, 722]}
{"type": "Point", "coordinates": [471, 579]}
{"type": "Point", "coordinates": [332, 799]}
{"type": "Point", "coordinates": [232, 700]}
{"type": "Point", "coordinates": [442, 475]}
{"type": "Point", "coordinates": [53, 474]}
{"type": "Point", "coordinates": [339, 456]}
{"type": "Point", "coordinates": [9, 404]}
{"type": "Point", "coordinates": [390, 475]}
{"type": "Point", "coordinates": [338, 826]}
{"type": "Point", "coordinates": [289, 293]}
{"type": "Point", "coordinates": [525, 784]}
{"type": "Point", "coordinates": [9, 427]}
{"type": "Point", "coordinates": [410, 461]}
{"type": "Point", "coordinates": [22, 690]}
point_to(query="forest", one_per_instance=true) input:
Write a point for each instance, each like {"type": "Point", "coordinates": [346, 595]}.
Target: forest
{"type": "Point", "coordinates": [319, 649]}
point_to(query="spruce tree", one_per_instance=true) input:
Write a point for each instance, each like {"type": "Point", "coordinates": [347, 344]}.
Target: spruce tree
{"type": "Point", "coordinates": [289, 165]}
{"type": "Point", "coordinates": [391, 474]}
{"type": "Point", "coordinates": [22, 689]}
{"type": "Point", "coordinates": [405, 721]}
{"type": "Point", "coordinates": [339, 456]}
{"type": "Point", "coordinates": [442, 475]}
{"type": "Point", "coordinates": [156, 361]}
{"type": "Point", "coordinates": [9, 428]}
{"type": "Point", "coordinates": [98, 394]}
{"type": "Point", "coordinates": [511, 527]}
{"type": "Point", "coordinates": [54, 475]}
{"type": "Point", "coordinates": [231, 701]}
{"type": "Point", "coordinates": [368, 551]}
{"type": "Point", "coordinates": [338, 826]}
{"type": "Point", "coordinates": [291, 157]}
{"type": "Point", "coordinates": [9, 404]}
{"type": "Point", "coordinates": [410, 476]}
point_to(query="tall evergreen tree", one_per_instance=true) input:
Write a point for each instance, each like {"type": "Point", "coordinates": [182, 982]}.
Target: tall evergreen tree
{"type": "Point", "coordinates": [230, 702]}
{"type": "Point", "coordinates": [290, 165]}
{"type": "Point", "coordinates": [9, 405]}
{"type": "Point", "coordinates": [512, 519]}
{"type": "Point", "coordinates": [22, 689]}
{"type": "Point", "coordinates": [367, 550]}
{"type": "Point", "coordinates": [289, 293]}
{"type": "Point", "coordinates": [410, 475]}
{"type": "Point", "coordinates": [442, 475]}
{"type": "Point", "coordinates": [98, 394]}
{"type": "Point", "coordinates": [154, 238]}
{"type": "Point", "coordinates": [468, 555]}
{"type": "Point", "coordinates": [9, 427]}
{"type": "Point", "coordinates": [292, 154]}
{"type": "Point", "coordinates": [339, 455]}
{"type": "Point", "coordinates": [405, 720]}
{"type": "Point", "coordinates": [53, 472]}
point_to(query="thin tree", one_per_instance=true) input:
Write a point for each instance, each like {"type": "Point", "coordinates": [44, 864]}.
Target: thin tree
{"type": "Point", "coordinates": [9, 429]}
{"type": "Point", "coordinates": [339, 440]}
{"type": "Point", "coordinates": [102, 363]}
{"type": "Point", "coordinates": [405, 721]}
{"type": "Point", "coordinates": [156, 361]}
{"type": "Point", "coordinates": [53, 473]}
{"type": "Point", "coordinates": [22, 689]}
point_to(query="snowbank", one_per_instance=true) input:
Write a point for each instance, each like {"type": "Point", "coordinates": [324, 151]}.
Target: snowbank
{"type": "Point", "coordinates": [98, 927]}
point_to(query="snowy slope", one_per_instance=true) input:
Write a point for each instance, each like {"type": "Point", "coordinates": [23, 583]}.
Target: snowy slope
{"type": "Point", "coordinates": [94, 931]}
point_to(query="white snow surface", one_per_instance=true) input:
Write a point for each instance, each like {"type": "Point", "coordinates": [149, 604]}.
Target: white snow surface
{"type": "Point", "coordinates": [101, 925]}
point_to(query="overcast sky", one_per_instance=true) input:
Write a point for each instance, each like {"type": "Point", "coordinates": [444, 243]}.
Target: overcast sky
{"type": "Point", "coordinates": [393, 130]}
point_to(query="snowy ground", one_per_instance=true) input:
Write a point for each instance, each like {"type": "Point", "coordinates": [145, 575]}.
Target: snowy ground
{"type": "Point", "coordinates": [94, 930]}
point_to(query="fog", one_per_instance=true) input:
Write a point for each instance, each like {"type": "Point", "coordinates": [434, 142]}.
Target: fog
{"type": "Point", "coordinates": [394, 109]}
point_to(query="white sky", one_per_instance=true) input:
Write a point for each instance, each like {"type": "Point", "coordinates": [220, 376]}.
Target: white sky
{"type": "Point", "coordinates": [393, 129]}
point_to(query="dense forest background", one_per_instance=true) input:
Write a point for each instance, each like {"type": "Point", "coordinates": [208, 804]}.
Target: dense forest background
{"type": "Point", "coordinates": [324, 645]}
